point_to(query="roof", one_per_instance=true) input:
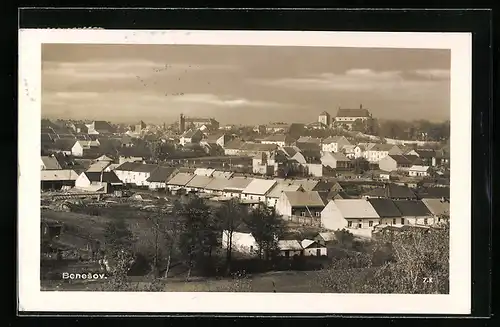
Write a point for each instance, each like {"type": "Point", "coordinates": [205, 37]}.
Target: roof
{"type": "Point", "coordinates": [102, 125]}
{"type": "Point", "coordinates": [392, 191]}
{"type": "Point", "coordinates": [416, 160]}
{"type": "Point", "coordinates": [128, 166]}
{"type": "Point", "coordinates": [58, 175]}
{"type": "Point", "coordinates": [238, 183]}
{"type": "Point", "coordinates": [327, 236]}
{"type": "Point", "coordinates": [98, 166]}
{"type": "Point", "coordinates": [307, 243]}
{"type": "Point", "coordinates": [222, 174]}
{"type": "Point", "coordinates": [181, 179]}
{"type": "Point", "coordinates": [283, 186]}
{"type": "Point", "coordinates": [385, 208]}
{"type": "Point", "coordinates": [434, 192]}
{"type": "Point", "coordinates": [304, 199]}
{"type": "Point", "coordinates": [217, 184]}
{"type": "Point", "coordinates": [355, 208]}
{"type": "Point", "coordinates": [51, 162]}
{"type": "Point", "coordinates": [287, 245]}
{"type": "Point", "coordinates": [307, 184]}
{"type": "Point", "coordinates": [309, 139]}
{"type": "Point", "coordinates": [161, 174]}
{"type": "Point", "coordinates": [107, 177]}
{"type": "Point", "coordinates": [419, 168]}
{"type": "Point", "coordinates": [339, 156]}
{"type": "Point", "coordinates": [381, 147]}
{"type": "Point", "coordinates": [259, 186]}
{"type": "Point", "coordinates": [290, 150]}
{"type": "Point", "coordinates": [199, 181]}
{"type": "Point", "coordinates": [63, 144]}
{"type": "Point", "coordinates": [249, 146]}
{"type": "Point", "coordinates": [333, 139]}
{"type": "Point", "coordinates": [145, 168]}
{"type": "Point", "coordinates": [204, 172]}
{"type": "Point", "coordinates": [324, 113]}
{"type": "Point", "coordinates": [326, 186]}
{"type": "Point", "coordinates": [366, 146]}
{"type": "Point", "coordinates": [234, 144]}
{"type": "Point", "coordinates": [353, 113]}
{"type": "Point", "coordinates": [437, 206]}
{"type": "Point", "coordinates": [400, 159]}
{"type": "Point", "coordinates": [104, 158]}
{"type": "Point", "coordinates": [413, 208]}
{"type": "Point", "coordinates": [190, 133]}
{"type": "Point", "coordinates": [276, 138]}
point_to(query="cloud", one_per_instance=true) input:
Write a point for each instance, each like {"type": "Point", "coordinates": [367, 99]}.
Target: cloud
{"type": "Point", "coordinates": [120, 69]}
{"type": "Point", "coordinates": [225, 101]}
{"type": "Point", "coordinates": [355, 80]}
{"type": "Point", "coordinates": [442, 74]}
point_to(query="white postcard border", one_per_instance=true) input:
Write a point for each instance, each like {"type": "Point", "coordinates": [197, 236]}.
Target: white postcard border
{"type": "Point", "coordinates": [31, 298]}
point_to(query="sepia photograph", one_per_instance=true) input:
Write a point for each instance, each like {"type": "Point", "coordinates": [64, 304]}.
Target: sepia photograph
{"type": "Point", "coordinates": [247, 167]}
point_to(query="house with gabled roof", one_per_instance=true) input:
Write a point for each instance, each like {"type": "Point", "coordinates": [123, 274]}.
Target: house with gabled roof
{"type": "Point", "coordinates": [300, 203]}
{"type": "Point", "coordinates": [278, 139]}
{"type": "Point", "coordinates": [49, 163]}
{"type": "Point", "coordinates": [236, 186]}
{"type": "Point", "coordinates": [100, 127]}
{"type": "Point", "coordinates": [55, 179]}
{"type": "Point", "coordinates": [334, 143]}
{"type": "Point", "coordinates": [179, 181]}
{"type": "Point", "coordinates": [380, 151]}
{"type": "Point", "coordinates": [414, 212]}
{"type": "Point", "coordinates": [313, 248]}
{"type": "Point", "coordinates": [125, 171]}
{"type": "Point", "coordinates": [141, 173]}
{"type": "Point", "coordinates": [286, 185]}
{"type": "Point", "coordinates": [392, 191]}
{"type": "Point", "coordinates": [96, 181]}
{"type": "Point", "coordinates": [198, 183]}
{"type": "Point", "coordinates": [394, 162]}
{"type": "Point", "coordinates": [191, 137]}
{"type": "Point", "coordinates": [388, 212]}
{"type": "Point", "coordinates": [335, 160]}
{"type": "Point", "coordinates": [349, 214]}
{"type": "Point", "coordinates": [439, 208]}
{"type": "Point", "coordinates": [98, 166]}
{"type": "Point", "coordinates": [347, 117]}
{"type": "Point", "coordinates": [258, 189]}
{"type": "Point", "coordinates": [159, 177]}
{"type": "Point", "coordinates": [85, 148]}
{"type": "Point", "coordinates": [217, 185]}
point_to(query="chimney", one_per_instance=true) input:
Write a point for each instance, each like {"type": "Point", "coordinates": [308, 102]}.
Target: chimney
{"type": "Point", "coordinates": [360, 106]}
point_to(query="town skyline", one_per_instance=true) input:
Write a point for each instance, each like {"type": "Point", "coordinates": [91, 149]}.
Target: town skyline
{"type": "Point", "coordinates": [242, 85]}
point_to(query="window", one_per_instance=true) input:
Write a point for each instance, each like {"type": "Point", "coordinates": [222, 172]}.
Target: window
{"type": "Point", "coordinates": [402, 221]}
{"type": "Point", "coordinates": [370, 223]}
{"type": "Point", "coordinates": [360, 225]}
{"type": "Point", "coordinates": [425, 221]}
{"type": "Point", "coordinates": [251, 197]}
{"type": "Point", "coordinates": [303, 213]}
{"type": "Point", "coordinates": [318, 214]}
{"type": "Point", "coordinates": [394, 221]}
{"type": "Point", "coordinates": [251, 248]}
{"type": "Point", "coordinates": [349, 224]}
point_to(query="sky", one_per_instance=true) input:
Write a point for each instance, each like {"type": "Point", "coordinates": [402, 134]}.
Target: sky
{"type": "Point", "coordinates": [241, 84]}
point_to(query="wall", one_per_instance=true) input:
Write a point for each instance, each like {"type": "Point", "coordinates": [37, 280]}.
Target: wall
{"type": "Point", "coordinates": [283, 206]}
{"type": "Point", "coordinates": [313, 251]}
{"type": "Point", "coordinates": [365, 223]}
{"type": "Point", "coordinates": [241, 242]}
{"type": "Point", "coordinates": [331, 217]}
{"type": "Point", "coordinates": [140, 178]}
{"type": "Point", "coordinates": [156, 185]}
{"type": "Point", "coordinates": [291, 253]}
{"type": "Point", "coordinates": [390, 221]}
{"type": "Point", "coordinates": [387, 164]}
{"type": "Point", "coordinates": [82, 181]}
{"type": "Point", "coordinates": [330, 147]}
{"type": "Point", "coordinates": [420, 220]}
{"type": "Point", "coordinates": [315, 170]}
{"type": "Point", "coordinates": [77, 150]}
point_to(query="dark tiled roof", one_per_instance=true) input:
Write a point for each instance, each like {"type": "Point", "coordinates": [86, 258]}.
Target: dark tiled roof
{"type": "Point", "coordinates": [161, 174]}
{"type": "Point", "coordinates": [128, 166]}
{"type": "Point", "coordinates": [63, 144]}
{"type": "Point", "coordinates": [392, 191]}
{"type": "Point", "coordinates": [412, 208]}
{"type": "Point", "coordinates": [108, 177]}
{"type": "Point", "coordinates": [145, 168]}
{"type": "Point", "coordinates": [385, 208]}
{"type": "Point", "coordinates": [353, 113]}
{"type": "Point", "coordinates": [426, 153]}
{"type": "Point", "coordinates": [434, 192]}
{"type": "Point", "coordinates": [400, 159]}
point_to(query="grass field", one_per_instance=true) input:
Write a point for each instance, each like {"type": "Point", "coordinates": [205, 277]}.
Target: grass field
{"type": "Point", "coordinates": [286, 281]}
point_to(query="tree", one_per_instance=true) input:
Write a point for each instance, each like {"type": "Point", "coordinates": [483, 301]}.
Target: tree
{"type": "Point", "coordinates": [199, 233]}
{"type": "Point", "coordinates": [267, 227]}
{"type": "Point", "coordinates": [359, 126]}
{"type": "Point", "coordinates": [229, 216]}
{"type": "Point", "coordinates": [360, 165]}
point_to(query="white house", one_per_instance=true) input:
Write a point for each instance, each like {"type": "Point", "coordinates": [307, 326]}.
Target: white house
{"type": "Point", "coordinates": [334, 143]}
{"type": "Point", "coordinates": [198, 183]}
{"type": "Point", "coordinates": [141, 173]}
{"type": "Point", "coordinates": [349, 151]}
{"type": "Point", "coordinates": [361, 148]}
{"type": "Point", "coordinates": [242, 240]}
{"type": "Point", "coordinates": [415, 212]}
{"type": "Point", "coordinates": [313, 248]}
{"type": "Point", "coordinates": [98, 181]}
{"type": "Point", "coordinates": [159, 177]}
{"type": "Point", "coordinates": [300, 203]}
{"type": "Point", "coordinates": [380, 151]}
{"type": "Point", "coordinates": [217, 185]}
{"type": "Point", "coordinates": [191, 136]}
{"type": "Point", "coordinates": [81, 148]}
{"type": "Point", "coordinates": [278, 139]}
{"type": "Point", "coordinates": [124, 159]}
{"type": "Point", "coordinates": [349, 213]}
{"type": "Point", "coordinates": [179, 180]}
{"type": "Point", "coordinates": [335, 160]}
{"type": "Point", "coordinates": [347, 117]}
{"type": "Point", "coordinates": [289, 185]}
{"type": "Point", "coordinates": [419, 171]}
{"type": "Point", "coordinates": [258, 189]}
{"type": "Point", "coordinates": [125, 171]}
{"type": "Point", "coordinates": [392, 163]}
{"type": "Point", "coordinates": [289, 248]}
{"type": "Point", "coordinates": [235, 186]}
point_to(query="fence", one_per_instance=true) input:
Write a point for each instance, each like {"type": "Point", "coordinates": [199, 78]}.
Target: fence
{"type": "Point", "coordinates": [304, 221]}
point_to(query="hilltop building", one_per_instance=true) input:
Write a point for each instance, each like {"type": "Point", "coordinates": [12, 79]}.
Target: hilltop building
{"type": "Point", "coordinates": [347, 117]}
{"type": "Point", "coordinates": [324, 118]}
{"type": "Point", "coordinates": [186, 123]}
